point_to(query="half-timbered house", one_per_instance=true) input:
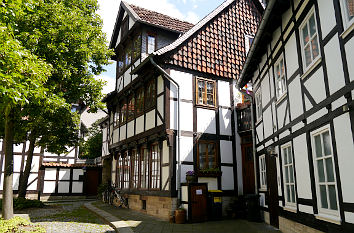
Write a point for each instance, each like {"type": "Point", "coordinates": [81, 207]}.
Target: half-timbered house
{"type": "Point", "coordinates": [301, 65]}
{"type": "Point", "coordinates": [173, 108]}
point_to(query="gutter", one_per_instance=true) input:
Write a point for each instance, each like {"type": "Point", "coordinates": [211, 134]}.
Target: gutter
{"type": "Point", "coordinates": [178, 127]}
{"type": "Point", "coordinates": [257, 39]}
{"type": "Point", "coordinates": [253, 136]}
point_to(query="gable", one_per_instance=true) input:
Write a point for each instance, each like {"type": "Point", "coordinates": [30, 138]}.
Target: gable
{"type": "Point", "coordinates": [218, 47]}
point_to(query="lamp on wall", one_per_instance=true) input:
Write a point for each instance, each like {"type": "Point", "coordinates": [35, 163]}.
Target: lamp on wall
{"type": "Point", "coordinates": [271, 151]}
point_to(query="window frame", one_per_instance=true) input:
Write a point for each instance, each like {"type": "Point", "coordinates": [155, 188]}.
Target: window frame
{"type": "Point", "coordinates": [347, 23]}
{"type": "Point", "coordinates": [303, 24]}
{"type": "Point", "coordinates": [216, 158]}
{"type": "Point", "coordinates": [288, 148]}
{"type": "Point", "coordinates": [146, 163]}
{"type": "Point", "coordinates": [156, 181]}
{"type": "Point", "coordinates": [282, 76]}
{"type": "Point", "coordinates": [134, 168]}
{"type": "Point", "coordinates": [150, 97]}
{"type": "Point", "coordinates": [248, 44]}
{"type": "Point", "coordinates": [262, 172]}
{"type": "Point", "coordinates": [123, 113]}
{"type": "Point", "coordinates": [205, 92]}
{"type": "Point", "coordinates": [131, 108]}
{"type": "Point", "coordinates": [126, 171]}
{"type": "Point", "coordinates": [324, 211]}
{"type": "Point", "coordinates": [147, 42]}
{"type": "Point", "coordinates": [141, 110]}
{"type": "Point", "coordinates": [258, 101]}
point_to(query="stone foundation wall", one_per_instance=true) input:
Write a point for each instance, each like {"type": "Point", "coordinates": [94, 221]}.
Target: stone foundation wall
{"type": "Point", "coordinates": [160, 207]}
{"type": "Point", "coordinates": [289, 226]}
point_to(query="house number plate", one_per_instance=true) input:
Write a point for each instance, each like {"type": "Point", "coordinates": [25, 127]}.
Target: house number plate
{"type": "Point", "coordinates": [199, 191]}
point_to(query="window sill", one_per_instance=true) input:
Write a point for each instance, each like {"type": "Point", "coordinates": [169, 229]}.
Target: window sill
{"type": "Point", "coordinates": [281, 98]}
{"type": "Point", "coordinates": [311, 67]}
{"type": "Point", "coordinates": [211, 107]}
{"type": "Point", "coordinates": [290, 208]}
{"type": "Point", "coordinates": [209, 173]}
{"type": "Point", "coordinates": [347, 31]}
{"type": "Point", "coordinates": [329, 218]}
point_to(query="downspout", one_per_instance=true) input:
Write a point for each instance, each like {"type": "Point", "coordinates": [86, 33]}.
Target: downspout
{"type": "Point", "coordinates": [178, 129]}
{"type": "Point", "coordinates": [253, 137]}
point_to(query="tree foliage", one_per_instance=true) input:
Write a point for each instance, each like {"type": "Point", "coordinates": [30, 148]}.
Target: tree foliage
{"type": "Point", "coordinates": [92, 147]}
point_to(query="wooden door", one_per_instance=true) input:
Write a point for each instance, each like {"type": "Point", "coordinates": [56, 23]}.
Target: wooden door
{"type": "Point", "coordinates": [198, 203]}
{"type": "Point", "coordinates": [92, 181]}
{"type": "Point", "coordinates": [247, 169]}
{"type": "Point", "coordinates": [273, 202]}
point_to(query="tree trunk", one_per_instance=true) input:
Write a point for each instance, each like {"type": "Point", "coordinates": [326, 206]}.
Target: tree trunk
{"type": "Point", "coordinates": [22, 189]}
{"type": "Point", "coordinates": [7, 203]}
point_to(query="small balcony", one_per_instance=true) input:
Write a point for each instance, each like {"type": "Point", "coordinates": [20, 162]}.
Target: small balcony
{"type": "Point", "coordinates": [244, 119]}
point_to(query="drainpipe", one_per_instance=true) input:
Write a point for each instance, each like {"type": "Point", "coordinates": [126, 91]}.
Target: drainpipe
{"type": "Point", "coordinates": [178, 128]}
{"type": "Point", "coordinates": [253, 137]}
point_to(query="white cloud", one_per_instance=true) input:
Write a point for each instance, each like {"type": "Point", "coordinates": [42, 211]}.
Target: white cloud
{"type": "Point", "coordinates": [110, 85]}
{"type": "Point", "coordinates": [192, 17]}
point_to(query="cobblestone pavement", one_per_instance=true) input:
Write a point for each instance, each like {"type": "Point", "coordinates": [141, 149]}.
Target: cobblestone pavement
{"type": "Point", "coordinates": [143, 223]}
{"type": "Point", "coordinates": [67, 217]}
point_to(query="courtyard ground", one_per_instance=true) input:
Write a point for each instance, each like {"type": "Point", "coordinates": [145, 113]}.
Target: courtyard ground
{"type": "Point", "coordinates": [127, 221]}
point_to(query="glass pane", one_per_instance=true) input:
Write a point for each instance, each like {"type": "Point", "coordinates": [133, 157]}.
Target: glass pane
{"type": "Point", "coordinates": [277, 71]}
{"type": "Point", "coordinates": [326, 143]}
{"type": "Point", "coordinates": [305, 34]}
{"type": "Point", "coordinates": [202, 156]}
{"type": "Point", "coordinates": [293, 193]}
{"type": "Point", "coordinates": [321, 174]}
{"type": "Point", "coordinates": [308, 58]}
{"type": "Point", "coordinates": [318, 146]}
{"type": "Point", "coordinates": [312, 25]}
{"type": "Point", "coordinates": [200, 91]}
{"type": "Point", "coordinates": [291, 174]}
{"type": "Point", "coordinates": [285, 156]}
{"type": "Point", "coordinates": [288, 196]}
{"type": "Point", "coordinates": [290, 160]}
{"type": "Point", "coordinates": [329, 170]}
{"type": "Point", "coordinates": [286, 175]}
{"type": "Point", "coordinates": [210, 99]}
{"type": "Point", "coordinates": [211, 154]}
{"type": "Point", "coordinates": [314, 44]}
{"type": "Point", "coordinates": [323, 193]}
{"type": "Point", "coordinates": [332, 197]}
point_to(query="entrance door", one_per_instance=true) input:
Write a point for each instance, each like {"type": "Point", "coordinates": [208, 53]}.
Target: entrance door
{"type": "Point", "coordinates": [247, 169]}
{"type": "Point", "coordinates": [198, 203]}
{"type": "Point", "coordinates": [92, 181]}
{"type": "Point", "coordinates": [273, 202]}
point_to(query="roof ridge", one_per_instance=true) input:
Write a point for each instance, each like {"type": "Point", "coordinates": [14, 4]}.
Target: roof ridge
{"type": "Point", "coordinates": [184, 21]}
{"type": "Point", "coordinates": [194, 29]}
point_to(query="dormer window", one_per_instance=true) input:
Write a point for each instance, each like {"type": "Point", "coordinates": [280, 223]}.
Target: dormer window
{"type": "Point", "coordinates": [151, 44]}
{"type": "Point", "coordinates": [248, 42]}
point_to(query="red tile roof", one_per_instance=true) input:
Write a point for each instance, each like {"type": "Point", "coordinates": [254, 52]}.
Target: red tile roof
{"type": "Point", "coordinates": [216, 45]}
{"type": "Point", "coordinates": [161, 20]}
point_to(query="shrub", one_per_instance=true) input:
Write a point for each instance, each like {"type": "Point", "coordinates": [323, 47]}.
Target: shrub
{"type": "Point", "coordinates": [22, 203]}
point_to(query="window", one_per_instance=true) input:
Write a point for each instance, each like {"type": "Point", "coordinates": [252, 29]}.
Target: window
{"type": "Point", "coordinates": [155, 167]}
{"type": "Point", "coordinates": [248, 42]}
{"type": "Point", "coordinates": [150, 44]}
{"type": "Point", "coordinates": [144, 168]}
{"type": "Point", "coordinates": [128, 55]}
{"type": "Point", "coordinates": [126, 170]}
{"type": "Point", "coordinates": [280, 77]}
{"type": "Point", "coordinates": [324, 169]}
{"type": "Point", "coordinates": [205, 92]}
{"type": "Point", "coordinates": [120, 172]}
{"type": "Point", "coordinates": [258, 98]}
{"type": "Point", "coordinates": [123, 114]}
{"type": "Point", "coordinates": [125, 27]}
{"type": "Point", "coordinates": [262, 172]}
{"type": "Point", "coordinates": [347, 12]}
{"type": "Point", "coordinates": [135, 169]}
{"type": "Point", "coordinates": [309, 39]}
{"type": "Point", "coordinates": [131, 105]}
{"type": "Point", "coordinates": [120, 63]}
{"type": "Point", "coordinates": [207, 158]}
{"type": "Point", "coordinates": [288, 175]}
{"type": "Point", "coordinates": [115, 117]}
{"type": "Point", "coordinates": [137, 47]}
{"type": "Point", "coordinates": [139, 108]}
{"type": "Point", "coordinates": [150, 94]}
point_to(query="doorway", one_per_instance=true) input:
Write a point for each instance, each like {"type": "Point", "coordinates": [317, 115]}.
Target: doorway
{"type": "Point", "coordinates": [273, 202]}
{"type": "Point", "coordinates": [198, 202]}
{"type": "Point", "coordinates": [248, 169]}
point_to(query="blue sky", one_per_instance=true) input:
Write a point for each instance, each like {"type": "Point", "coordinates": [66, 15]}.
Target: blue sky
{"type": "Point", "coordinates": [189, 10]}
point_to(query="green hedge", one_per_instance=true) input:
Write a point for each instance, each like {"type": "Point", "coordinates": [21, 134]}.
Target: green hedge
{"type": "Point", "coordinates": [22, 203]}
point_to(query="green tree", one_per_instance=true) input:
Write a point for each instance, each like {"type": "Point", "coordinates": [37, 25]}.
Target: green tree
{"type": "Point", "coordinates": [92, 147]}
{"type": "Point", "coordinates": [68, 35]}
{"type": "Point", "coordinates": [22, 76]}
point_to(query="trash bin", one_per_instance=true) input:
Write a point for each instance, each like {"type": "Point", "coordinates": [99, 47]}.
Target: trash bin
{"type": "Point", "coordinates": [215, 204]}
{"type": "Point", "coordinates": [252, 207]}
